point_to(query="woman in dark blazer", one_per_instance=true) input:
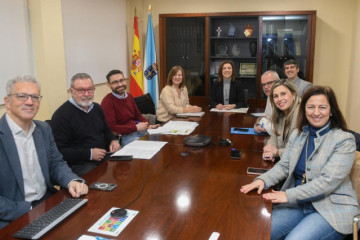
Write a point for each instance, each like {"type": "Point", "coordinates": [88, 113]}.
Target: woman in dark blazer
{"type": "Point", "coordinates": [226, 92]}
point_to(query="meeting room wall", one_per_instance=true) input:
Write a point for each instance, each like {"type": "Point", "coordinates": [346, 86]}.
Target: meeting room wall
{"type": "Point", "coordinates": [336, 51]}
{"type": "Point", "coordinates": [336, 25]}
{"type": "Point", "coordinates": [47, 30]}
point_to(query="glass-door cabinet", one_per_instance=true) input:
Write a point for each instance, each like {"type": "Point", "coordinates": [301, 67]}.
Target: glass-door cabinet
{"type": "Point", "coordinates": [284, 38]}
{"type": "Point", "coordinates": [254, 41]}
{"type": "Point", "coordinates": [185, 46]}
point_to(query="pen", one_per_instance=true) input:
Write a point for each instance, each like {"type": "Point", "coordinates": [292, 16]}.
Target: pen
{"type": "Point", "coordinates": [262, 125]}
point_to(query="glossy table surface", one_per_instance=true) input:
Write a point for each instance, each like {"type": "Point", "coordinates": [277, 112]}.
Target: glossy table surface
{"type": "Point", "coordinates": [183, 198]}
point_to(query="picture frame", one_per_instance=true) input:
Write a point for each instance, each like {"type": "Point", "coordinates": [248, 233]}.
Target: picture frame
{"type": "Point", "coordinates": [247, 69]}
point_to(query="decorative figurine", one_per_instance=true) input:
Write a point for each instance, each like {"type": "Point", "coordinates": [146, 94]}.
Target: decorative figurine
{"type": "Point", "coordinates": [231, 32]}
{"type": "Point", "coordinates": [248, 31]}
{"type": "Point", "coordinates": [218, 31]}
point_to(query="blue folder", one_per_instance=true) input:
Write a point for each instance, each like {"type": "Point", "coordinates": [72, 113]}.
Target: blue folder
{"type": "Point", "coordinates": [249, 132]}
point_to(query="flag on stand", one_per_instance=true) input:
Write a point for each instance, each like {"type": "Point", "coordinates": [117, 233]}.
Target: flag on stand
{"type": "Point", "coordinates": [136, 79]}
{"type": "Point", "coordinates": [150, 72]}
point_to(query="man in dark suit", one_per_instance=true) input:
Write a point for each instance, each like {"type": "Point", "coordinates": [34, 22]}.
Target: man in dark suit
{"type": "Point", "coordinates": [30, 162]}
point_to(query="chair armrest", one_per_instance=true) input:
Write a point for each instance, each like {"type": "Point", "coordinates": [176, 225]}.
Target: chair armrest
{"type": "Point", "coordinates": [356, 220]}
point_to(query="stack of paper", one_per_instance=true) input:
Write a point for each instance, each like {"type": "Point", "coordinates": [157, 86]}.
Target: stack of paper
{"type": "Point", "coordinates": [175, 128]}
{"type": "Point", "coordinates": [141, 149]}
{"type": "Point", "coordinates": [235, 110]}
{"type": "Point", "coordinates": [198, 114]}
{"type": "Point", "coordinates": [262, 114]}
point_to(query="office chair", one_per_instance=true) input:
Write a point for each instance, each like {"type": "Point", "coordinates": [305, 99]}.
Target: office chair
{"type": "Point", "coordinates": [146, 106]}
{"type": "Point", "coordinates": [355, 179]}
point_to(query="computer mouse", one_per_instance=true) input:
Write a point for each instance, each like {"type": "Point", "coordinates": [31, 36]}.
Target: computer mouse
{"type": "Point", "coordinates": [118, 213]}
{"type": "Point", "coordinates": [184, 154]}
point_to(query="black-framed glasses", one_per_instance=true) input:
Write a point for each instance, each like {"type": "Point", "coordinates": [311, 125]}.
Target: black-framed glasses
{"type": "Point", "coordinates": [83, 91]}
{"type": "Point", "coordinates": [23, 97]}
{"type": "Point", "coordinates": [116, 82]}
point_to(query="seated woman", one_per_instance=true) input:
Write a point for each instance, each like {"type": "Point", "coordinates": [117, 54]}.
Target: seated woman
{"type": "Point", "coordinates": [317, 200]}
{"type": "Point", "coordinates": [285, 105]}
{"type": "Point", "coordinates": [226, 92]}
{"type": "Point", "coordinates": [174, 97]}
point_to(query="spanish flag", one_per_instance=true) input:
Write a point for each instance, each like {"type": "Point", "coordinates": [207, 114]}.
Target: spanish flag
{"type": "Point", "coordinates": [136, 80]}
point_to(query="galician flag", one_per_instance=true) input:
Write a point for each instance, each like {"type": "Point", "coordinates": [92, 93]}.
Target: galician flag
{"type": "Point", "coordinates": [136, 79]}
{"type": "Point", "coordinates": [150, 72]}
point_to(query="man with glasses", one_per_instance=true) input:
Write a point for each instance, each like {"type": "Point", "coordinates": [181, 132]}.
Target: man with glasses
{"type": "Point", "coordinates": [263, 123]}
{"type": "Point", "coordinates": [291, 69]}
{"type": "Point", "coordinates": [80, 129]}
{"type": "Point", "coordinates": [30, 162]}
{"type": "Point", "coordinates": [121, 112]}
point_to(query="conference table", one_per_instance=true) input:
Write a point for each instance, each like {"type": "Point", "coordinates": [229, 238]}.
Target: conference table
{"type": "Point", "coordinates": [184, 196]}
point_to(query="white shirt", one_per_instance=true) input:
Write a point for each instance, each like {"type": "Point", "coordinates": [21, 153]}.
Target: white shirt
{"type": "Point", "coordinates": [34, 181]}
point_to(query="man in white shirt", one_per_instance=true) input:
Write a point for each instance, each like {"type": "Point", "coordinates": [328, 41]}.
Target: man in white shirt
{"type": "Point", "coordinates": [263, 123]}
{"type": "Point", "coordinates": [30, 162]}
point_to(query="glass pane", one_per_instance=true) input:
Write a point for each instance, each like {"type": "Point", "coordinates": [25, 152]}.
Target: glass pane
{"type": "Point", "coordinates": [228, 42]}
{"type": "Point", "coordinates": [185, 46]}
{"type": "Point", "coordinates": [284, 38]}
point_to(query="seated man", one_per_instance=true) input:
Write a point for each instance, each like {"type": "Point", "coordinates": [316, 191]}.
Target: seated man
{"type": "Point", "coordinates": [121, 112]}
{"type": "Point", "coordinates": [79, 127]}
{"type": "Point", "coordinates": [263, 123]}
{"type": "Point", "coordinates": [30, 162]}
{"type": "Point", "coordinates": [291, 69]}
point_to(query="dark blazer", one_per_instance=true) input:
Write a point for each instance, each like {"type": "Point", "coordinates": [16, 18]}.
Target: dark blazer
{"type": "Point", "coordinates": [236, 94]}
{"type": "Point", "coordinates": [54, 169]}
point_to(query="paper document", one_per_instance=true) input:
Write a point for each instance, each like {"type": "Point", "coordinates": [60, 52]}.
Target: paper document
{"type": "Point", "coordinates": [258, 114]}
{"type": "Point", "coordinates": [141, 149]}
{"type": "Point", "coordinates": [198, 114]}
{"type": "Point", "coordinates": [235, 110]}
{"type": "Point", "coordinates": [175, 128]}
{"type": "Point", "coordinates": [112, 226]}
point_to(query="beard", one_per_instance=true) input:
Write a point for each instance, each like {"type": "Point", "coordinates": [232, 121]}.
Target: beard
{"type": "Point", "coordinates": [119, 90]}
{"type": "Point", "coordinates": [86, 101]}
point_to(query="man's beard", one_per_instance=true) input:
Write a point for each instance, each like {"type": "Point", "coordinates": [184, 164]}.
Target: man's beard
{"type": "Point", "coordinates": [86, 101]}
{"type": "Point", "coordinates": [117, 90]}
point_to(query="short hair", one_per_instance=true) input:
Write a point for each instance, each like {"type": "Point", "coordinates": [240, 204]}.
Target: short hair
{"type": "Point", "coordinates": [172, 73]}
{"type": "Point", "coordinates": [113, 72]}
{"type": "Point", "coordinates": [26, 78]}
{"type": "Point", "coordinates": [337, 119]}
{"type": "Point", "coordinates": [277, 113]}
{"type": "Point", "coordinates": [291, 62]}
{"type": "Point", "coordinates": [233, 75]}
{"type": "Point", "coordinates": [272, 73]}
{"type": "Point", "coordinates": [80, 76]}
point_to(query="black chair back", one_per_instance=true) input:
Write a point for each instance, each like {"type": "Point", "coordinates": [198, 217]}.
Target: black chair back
{"type": "Point", "coordinates": [145, 104]}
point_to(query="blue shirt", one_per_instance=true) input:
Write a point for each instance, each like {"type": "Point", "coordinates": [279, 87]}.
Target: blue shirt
{"type": "Point", "coordinates": [301, 164]}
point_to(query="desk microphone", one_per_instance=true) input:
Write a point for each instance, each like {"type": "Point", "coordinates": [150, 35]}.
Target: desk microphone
{"type": "Point", "coordinates": [118, 213]}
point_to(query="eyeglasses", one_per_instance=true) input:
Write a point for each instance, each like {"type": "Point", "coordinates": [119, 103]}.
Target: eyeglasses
{"type": "Point", "coordinates": [116, 82]}
{"type": "Point", "coordinates": [83, 91]}
{"type": "Point", "coordinates": [268, 83]}
{"type": "Point", "coordinates": [23, 97]}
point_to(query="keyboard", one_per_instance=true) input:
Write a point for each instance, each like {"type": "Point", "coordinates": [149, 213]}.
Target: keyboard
{"type": "Point", "coordinates": [50, 219]}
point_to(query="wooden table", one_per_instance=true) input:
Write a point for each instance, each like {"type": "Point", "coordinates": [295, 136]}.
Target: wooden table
{"type": "Point", "coordinates": [184, 197]}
